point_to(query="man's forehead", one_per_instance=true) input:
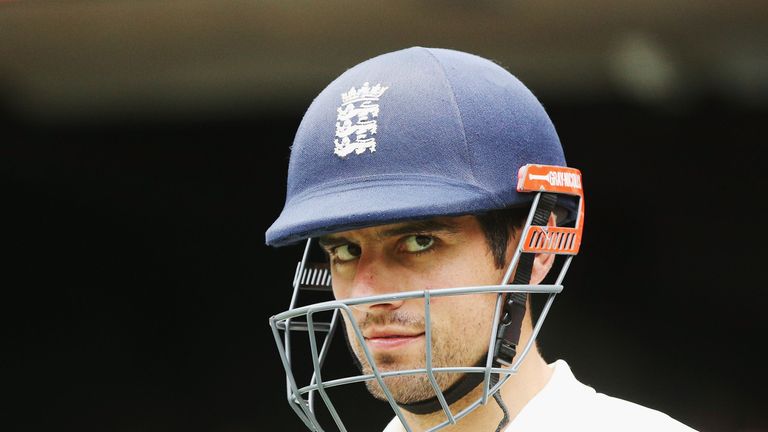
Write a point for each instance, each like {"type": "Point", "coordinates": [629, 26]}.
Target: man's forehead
{"type": "Point", "coordinates": [443, 224]}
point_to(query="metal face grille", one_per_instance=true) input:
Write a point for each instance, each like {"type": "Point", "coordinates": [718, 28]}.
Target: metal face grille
{"type": "Point", "coordinates": [313, 278]}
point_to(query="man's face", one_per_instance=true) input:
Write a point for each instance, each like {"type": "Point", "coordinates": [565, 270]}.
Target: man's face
{"type": "Point", "coordinates": [437, 253]}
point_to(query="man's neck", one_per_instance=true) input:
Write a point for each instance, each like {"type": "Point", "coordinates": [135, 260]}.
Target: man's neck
{"type": "Point", "coordinates": [533, 375]}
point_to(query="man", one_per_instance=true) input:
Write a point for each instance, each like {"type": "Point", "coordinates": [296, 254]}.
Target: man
{"type": "Point", "coordinates": [436, 185]}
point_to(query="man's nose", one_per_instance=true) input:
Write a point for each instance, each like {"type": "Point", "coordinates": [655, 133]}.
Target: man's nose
{"type": "Point", "coordinates": [375, 276]}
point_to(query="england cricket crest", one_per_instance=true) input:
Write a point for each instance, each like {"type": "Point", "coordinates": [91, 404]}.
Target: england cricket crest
{"type": "Point", "coordinates": [356, 120]}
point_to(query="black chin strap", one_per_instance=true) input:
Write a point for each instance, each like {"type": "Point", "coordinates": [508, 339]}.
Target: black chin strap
{"type": "Point", "coordinates": [458, 390]}
{"type": "Point", "coordinates": [508, 333]}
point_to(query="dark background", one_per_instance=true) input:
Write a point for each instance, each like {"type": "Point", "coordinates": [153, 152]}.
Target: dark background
{"type": "Point", "coordinates": [143, 154]}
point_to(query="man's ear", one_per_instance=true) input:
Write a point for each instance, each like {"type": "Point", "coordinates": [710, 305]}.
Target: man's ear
{"type": "Point", "coordinates": [543, 261]}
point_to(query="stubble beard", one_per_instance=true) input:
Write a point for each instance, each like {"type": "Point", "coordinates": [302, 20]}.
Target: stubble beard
{"type": "Point", "coordinates": [406, 389]}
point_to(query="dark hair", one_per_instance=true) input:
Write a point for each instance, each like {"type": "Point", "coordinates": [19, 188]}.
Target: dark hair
{"type": "Point", "coordinates": [498, 226]}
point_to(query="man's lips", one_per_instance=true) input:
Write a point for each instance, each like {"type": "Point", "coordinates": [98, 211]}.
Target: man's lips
{"type": "Point", "coordinates": [389, 339]}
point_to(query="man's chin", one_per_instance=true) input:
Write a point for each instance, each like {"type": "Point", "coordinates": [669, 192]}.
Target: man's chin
{"type": "Point", "coordinates": [404, 389]}
{"type": "Point", "coordinates": [408, 389]}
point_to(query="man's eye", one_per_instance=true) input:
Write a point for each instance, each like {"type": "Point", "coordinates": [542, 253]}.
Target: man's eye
{"type": "Point", "coordinates": [418, 243]}
{"type": "Point", "coordinates": [346, 252]}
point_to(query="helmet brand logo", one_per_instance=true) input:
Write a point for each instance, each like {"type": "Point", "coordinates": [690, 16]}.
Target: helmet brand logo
{"type": "Point", "coordinates": [356, 120]}
{"type": "Point", "coordinates": [559, 178]}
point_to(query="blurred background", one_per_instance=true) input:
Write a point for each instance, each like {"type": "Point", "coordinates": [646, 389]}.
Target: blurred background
{"type": "Point", "coordinates": [143, 154]}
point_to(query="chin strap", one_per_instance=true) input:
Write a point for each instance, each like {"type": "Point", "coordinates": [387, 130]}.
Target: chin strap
{"type": "Point", "coordinates": [508, 333]}
{"type": "Point", "coordinates": [458, 390]}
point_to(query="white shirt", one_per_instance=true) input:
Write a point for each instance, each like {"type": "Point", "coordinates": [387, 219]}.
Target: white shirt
{"type": "Point", "coordinates": [565, 404]}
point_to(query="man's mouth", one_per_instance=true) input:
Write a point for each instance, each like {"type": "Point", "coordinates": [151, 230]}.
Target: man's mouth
{"type": "Point", "coordinates": [381, 340]}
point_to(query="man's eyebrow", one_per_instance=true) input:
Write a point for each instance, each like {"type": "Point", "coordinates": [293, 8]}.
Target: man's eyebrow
{"type": "Point", "coordinates": [422, 226]}
{"type": "Point", "coordinates": [329, 242]}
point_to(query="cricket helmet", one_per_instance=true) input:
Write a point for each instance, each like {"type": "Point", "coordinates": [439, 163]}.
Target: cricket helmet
{"type": "Point", "coordinates": [414, 134]}
{"type": "Point", "coordinates": [411, 134]}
